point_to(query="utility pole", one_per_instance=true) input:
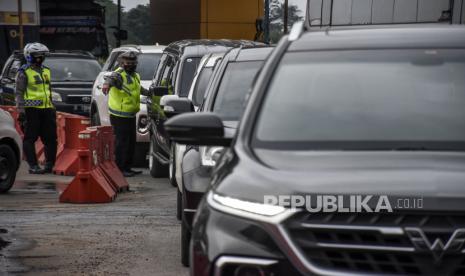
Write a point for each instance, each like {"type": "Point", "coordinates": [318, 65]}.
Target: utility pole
{"type": "Point", "coordinates": [118, 39]}
{"type": "Point", "coordinates": [20, 21]}
{"type": "Point", "coordinates": [286, 16]}
{"type": "Point", "coordinates": [266, 21]}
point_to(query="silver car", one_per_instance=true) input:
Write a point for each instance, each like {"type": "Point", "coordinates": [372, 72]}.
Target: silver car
{"type": "Point", "coordinates": [10, 151]}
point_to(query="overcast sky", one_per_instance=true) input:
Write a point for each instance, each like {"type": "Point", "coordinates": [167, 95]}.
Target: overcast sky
{"type": "Point", "coordinates": [129, 4]}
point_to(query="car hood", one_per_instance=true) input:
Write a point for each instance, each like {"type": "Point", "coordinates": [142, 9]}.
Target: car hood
{"type": "Point", "coordinates": [437, 177]}
{"type": "Point", "coordinates": [70, 87]}
{"type": "Point", "coordinates": [145, 83]}
{"type": "Point", "coordinates": [230, 128]}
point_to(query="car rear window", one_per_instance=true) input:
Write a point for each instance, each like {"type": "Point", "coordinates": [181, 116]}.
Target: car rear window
{"type": "Point", "coordinates": [366, 100]}
{"type": "Point", "coordinates": [236, 82]}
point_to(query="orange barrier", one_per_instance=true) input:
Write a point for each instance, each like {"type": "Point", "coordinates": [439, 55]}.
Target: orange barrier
{"type": "Point", "coordinates": [108, 165]}
{"type": "Point", "coordinates": [67, 162]}
{"type": "Point", "coordinates": [90, 184]}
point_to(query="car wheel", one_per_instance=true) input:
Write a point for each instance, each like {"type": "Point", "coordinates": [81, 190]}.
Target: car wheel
{"type": "Point", "coordinates": [179, 206]}
{"type": "Point", "coordinates": [156, 168]}
{"type": "Point", "coordinates": [185, 240]}
{"type": "Point", "coordinates": [8, 166]}
{"type": "Point", "coordinates": [95, 119]}
{"type": "Point", "coordinates": [172, 166]}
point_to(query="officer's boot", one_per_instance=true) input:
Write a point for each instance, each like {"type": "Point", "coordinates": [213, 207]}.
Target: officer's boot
{"type": "Point", "coordinates": [36, 169]}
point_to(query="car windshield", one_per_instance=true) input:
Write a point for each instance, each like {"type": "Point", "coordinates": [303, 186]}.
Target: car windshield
{"type": "Point", "coordinates": [147, 66]}
{"type": "Point", "coordinates": [73, 69]}
{"type": "Point", "coordinates": [366, 100]}
{"type": "Point", "coordinates": [201, 85]}
{"type": "Point", "coordinates": [237, 80]}
{"type": "Point", "coordinates": [187, 76]}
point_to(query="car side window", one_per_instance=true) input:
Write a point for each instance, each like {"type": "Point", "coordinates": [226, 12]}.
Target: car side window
{"type": "Point", "coordinates": [166, 77]}
{"type": "Point", "coordinates": [14, 67]}
{"type": "Point", "coordinates": [111, 61]}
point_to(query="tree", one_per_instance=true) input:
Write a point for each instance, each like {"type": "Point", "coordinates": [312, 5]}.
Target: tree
{"type": "Point", "coordinates": [136, 21]}
{"type": "Point", "coordinates": [277, 18]}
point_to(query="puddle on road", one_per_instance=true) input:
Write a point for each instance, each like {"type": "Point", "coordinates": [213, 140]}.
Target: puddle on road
{"type": "Point", "coordinates": [36, 186]}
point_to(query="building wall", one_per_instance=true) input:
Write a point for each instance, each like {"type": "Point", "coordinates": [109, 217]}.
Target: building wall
{"type": "Point", "coordinates": [230, 19]}
{"type": "Point", "coordinates": [175, 20]}
{"type": "Point", "coordinates": [181, 19]}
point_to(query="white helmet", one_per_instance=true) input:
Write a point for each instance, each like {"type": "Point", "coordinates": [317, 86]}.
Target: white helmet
{"type": "Point", "coordinates": [34, 48]}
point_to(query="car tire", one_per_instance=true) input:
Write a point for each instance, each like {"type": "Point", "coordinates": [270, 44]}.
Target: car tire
{"type": "Point", "coordinates": [179, 205]}
{"type": "Point", "coordinates": [157, 169]}
{"type": "Point", "coordinates": [185, 240]}
{"type": "Point", "coordinates": [172, 166]}
{"type": "Point", "coordinates": [8, 166]}
{"type": "Point", "coordinates": [95, 119]}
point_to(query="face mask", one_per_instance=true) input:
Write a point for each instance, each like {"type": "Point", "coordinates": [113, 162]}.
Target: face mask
{"type": "Point", "coordinates": [130, 68]}
{"type": "Point", "coordinates": [38, 60]}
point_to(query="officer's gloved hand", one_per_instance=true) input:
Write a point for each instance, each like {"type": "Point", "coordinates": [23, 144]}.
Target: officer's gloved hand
{"type": "Point", "coordinates": [22, 120]}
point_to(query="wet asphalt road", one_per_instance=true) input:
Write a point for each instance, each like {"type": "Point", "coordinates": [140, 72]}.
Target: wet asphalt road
{"type": "Point", "coordinates": [138, 234]}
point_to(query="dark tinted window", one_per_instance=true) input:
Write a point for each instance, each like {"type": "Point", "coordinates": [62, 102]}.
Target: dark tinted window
{"type": "Point", "coordinates": [147, 66]}
{"type": "Point", "coordinates": [372, 100]}
{"type": "Point", "coordinates": [72, 69]}
{"type": "Point", "coordinates": [201, 85]}
{"type": "Point", "coordinates": [188, 71]}
{"type": "Point", "coordinates": [237, 79]}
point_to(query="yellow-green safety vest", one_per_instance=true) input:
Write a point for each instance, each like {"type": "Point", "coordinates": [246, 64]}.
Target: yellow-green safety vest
{"type": "Point", "coordinates": [38, 93]}
{"type": "Point", "coordinates": [125, 102]}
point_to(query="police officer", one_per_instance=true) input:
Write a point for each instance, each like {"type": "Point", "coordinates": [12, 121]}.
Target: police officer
{"type": "Point", "coordinates": [37, 115]}
{"type": "Point", "coordinates": [124, 88]}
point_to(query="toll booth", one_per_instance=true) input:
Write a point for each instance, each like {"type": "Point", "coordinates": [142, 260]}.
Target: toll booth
{"type": "Point", "coordinates": [9, 30]}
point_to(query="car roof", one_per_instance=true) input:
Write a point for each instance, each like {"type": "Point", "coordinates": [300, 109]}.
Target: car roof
{"type": "Point", "coordinates": [200, 47]}
{"type": "Point", "coordinates": [249, 54]}
{"type": "Point", "coordinates": [382, 37]}
{"type": "Point", "coordinates": [144, 49]}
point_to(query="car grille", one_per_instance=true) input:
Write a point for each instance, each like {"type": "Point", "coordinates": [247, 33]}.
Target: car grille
{"type": "Point", "coordinates": [381, 243]}
{"type": "Point", "coordinates": [78, 99]}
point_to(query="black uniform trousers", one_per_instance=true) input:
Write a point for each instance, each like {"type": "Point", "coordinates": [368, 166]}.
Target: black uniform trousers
{"type": "Point", "coordinates": [40, 122]}
{"type": "Point", "coordinates": [125, 140]}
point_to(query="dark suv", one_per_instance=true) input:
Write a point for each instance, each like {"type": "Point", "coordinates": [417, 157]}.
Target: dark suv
{"type": "Point", "coordinates": [226, 95]}
{"type": "Point", "coordinates": [345, 113]}
{"type": "Point", "coordinates": [174, 77]}
{"type": "Point", "coordinates": [73, 74]}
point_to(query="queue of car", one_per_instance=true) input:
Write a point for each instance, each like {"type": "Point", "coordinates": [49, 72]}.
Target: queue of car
{"type": "Point", "coordinates": [351, 111]}
{"type": "Point", "coordinates": [373, 110]}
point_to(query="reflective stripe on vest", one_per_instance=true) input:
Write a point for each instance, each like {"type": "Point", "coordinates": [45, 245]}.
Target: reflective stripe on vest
{"type": "Point", "coordinates": [125, 102]}
{"type": "Point", "coordinates": [38, 92]}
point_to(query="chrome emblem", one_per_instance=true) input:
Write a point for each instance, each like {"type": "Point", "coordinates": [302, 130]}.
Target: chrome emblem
{"type": "Point", "coordinates": [86, 99]}
{"type": "Point", "coordinates": [438, 247]}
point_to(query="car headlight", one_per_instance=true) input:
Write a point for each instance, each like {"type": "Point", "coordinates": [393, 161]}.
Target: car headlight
{"type": "Point", "coordinates": [56, 97]}
{"type": "Point", "coordinates": [209, 155]}
{"type": "Point", "coordinates": [247, 209]}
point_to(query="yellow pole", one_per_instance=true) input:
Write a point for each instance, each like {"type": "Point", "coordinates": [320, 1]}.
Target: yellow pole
{"type": "Point", "coordinates": [20, 18]}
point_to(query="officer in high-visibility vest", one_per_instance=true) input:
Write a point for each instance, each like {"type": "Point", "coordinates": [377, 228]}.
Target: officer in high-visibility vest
{"type": "Point", "coordinates": [37, 115]}
{"type": "Point", "coordinates": [124, 89]}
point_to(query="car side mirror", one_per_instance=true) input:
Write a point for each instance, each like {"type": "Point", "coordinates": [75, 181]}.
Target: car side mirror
{"type": "Point", "coordinates": [173, 105]}
{"type": "Point", "coordinates": [205, 129]}
{"type": "Point", "coordinates": [158, 90]}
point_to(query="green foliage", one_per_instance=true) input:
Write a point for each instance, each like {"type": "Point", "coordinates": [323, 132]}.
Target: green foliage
{"type": "Point", "coordinates": [136, 21]}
